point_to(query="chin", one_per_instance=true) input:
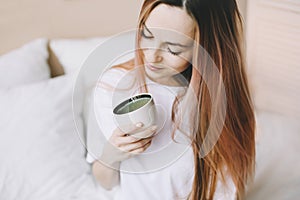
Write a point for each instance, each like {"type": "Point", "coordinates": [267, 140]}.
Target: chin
{"type": "Point", "coordinates": [151, 75]}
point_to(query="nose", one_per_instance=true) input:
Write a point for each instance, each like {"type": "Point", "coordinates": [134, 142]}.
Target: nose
{"type": "Point", "coordinates": [155, 54]}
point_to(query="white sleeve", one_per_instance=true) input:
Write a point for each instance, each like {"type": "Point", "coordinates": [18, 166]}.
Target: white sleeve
{"type": "Point", "coordinates": [100, 123]}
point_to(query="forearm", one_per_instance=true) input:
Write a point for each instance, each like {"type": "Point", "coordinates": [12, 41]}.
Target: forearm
{"type": "Point", "coordinates": [108, 177]}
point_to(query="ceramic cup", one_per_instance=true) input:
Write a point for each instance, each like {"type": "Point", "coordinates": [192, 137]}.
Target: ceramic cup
{"type": "Point", "coordinates": [138, 108]}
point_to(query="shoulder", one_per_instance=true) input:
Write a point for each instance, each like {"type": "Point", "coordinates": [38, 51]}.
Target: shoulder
{"type": "Point", "coordinates": [111, 75]}
{"type": "Point", "coordinates": [116, 75]}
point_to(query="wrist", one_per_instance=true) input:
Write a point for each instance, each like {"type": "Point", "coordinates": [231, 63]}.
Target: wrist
{"type": "Point", "coordinates": [107, 160]}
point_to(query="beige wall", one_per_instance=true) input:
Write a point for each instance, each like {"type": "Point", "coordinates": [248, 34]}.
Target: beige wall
{"type": "Point", "coordinates": [273, 55]}
{"type": "Point", "coordinates": [243, 8]}
{"type": "Point", "coordinates": [23, 20]}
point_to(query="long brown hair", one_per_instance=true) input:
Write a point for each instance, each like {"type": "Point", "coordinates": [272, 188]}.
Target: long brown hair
{"type": "Point", "coordinates": [219, 33]}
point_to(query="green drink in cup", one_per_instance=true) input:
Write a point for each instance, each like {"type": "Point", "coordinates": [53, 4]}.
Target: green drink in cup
{"type": "Point", "coordinates": [138, 108]}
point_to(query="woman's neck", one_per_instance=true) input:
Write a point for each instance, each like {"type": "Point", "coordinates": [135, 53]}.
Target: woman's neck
{"type": "Point", "coordinates": [170, 81]}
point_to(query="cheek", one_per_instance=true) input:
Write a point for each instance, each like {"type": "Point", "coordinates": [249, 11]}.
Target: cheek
{"type": "Point", "coordinates": [147, 44]}
{"type": "Point", "coordinates": [148, 48]}
{"type": "Point", "coordinates": [179, 63]}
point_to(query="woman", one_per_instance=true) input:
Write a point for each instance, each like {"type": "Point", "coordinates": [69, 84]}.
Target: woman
{"type": "Point", "coordinates": [170, 65]}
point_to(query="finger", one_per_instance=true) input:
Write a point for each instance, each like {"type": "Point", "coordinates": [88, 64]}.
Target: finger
{"type": "Point", "coordinates": [132, 146]}
{"type": "Point", "coordinates": [131, 128]}
{"type": "Point", "coordinates": [141, 149]}
{"type": "Point", "coordinates": [122, 140]}
{"type": "Point", "coordinates": [149, 132]}
{"type": "Point", "coordinates": [127, 140]}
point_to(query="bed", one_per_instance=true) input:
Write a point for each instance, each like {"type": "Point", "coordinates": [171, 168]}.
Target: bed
{"type": "Point", "coordinates": [42, 147]}
{"type": "Point", "coordinates": [45, 85]}
{"type": "Point", "coordinates": [42, 144]}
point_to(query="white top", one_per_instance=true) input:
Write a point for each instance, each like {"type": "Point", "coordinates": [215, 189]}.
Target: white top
{"type": "Point", "coordinates": [166, 169]}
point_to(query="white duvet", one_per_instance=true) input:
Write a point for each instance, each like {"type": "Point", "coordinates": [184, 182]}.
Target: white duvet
{"type": "Point", "coordinates": [41, 155]}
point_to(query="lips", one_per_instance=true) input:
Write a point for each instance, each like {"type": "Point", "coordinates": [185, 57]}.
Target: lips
{"type": "Point", "coordinates": [153, 68]}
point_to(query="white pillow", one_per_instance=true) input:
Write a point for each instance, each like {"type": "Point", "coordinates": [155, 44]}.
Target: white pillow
{"type": "Point", "coordinates": [41, 154]}
{"type": "Point", "coordinates": [71, 53]}
{"type": "Point", "coordinates": [92, 56]}
{"type": "Point", "coordinates": [26, 64]}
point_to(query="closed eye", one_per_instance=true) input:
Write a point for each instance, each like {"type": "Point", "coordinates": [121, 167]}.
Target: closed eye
{"type": "Point", "coordinates": [173, 52]}
{"type": "Point", "coordinates": [146, 33]}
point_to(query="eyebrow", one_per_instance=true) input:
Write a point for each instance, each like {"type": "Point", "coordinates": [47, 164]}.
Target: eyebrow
{"type": "Point", "coordinates": [169, 43]}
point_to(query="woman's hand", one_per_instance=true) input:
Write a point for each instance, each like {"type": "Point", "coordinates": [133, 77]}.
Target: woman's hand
{"type": "Point", "coordinates": [123, 145]}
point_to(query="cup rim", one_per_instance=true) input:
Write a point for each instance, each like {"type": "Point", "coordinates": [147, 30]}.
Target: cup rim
{"type": "Point", "coordinates": [130, 99]}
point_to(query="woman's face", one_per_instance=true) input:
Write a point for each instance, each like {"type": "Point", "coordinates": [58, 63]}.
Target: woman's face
{"type": "Point", "coordinates": [167, 43]}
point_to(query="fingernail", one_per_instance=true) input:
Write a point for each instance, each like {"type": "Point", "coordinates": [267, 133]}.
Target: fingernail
{"type": "Point", "coordinates": [140, 124]}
